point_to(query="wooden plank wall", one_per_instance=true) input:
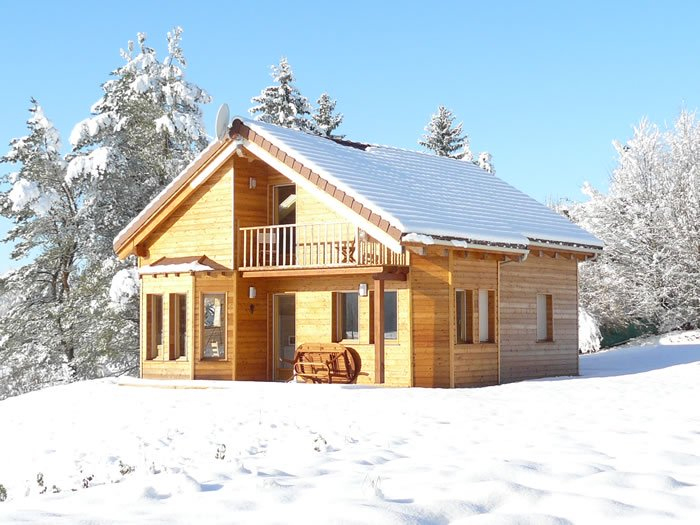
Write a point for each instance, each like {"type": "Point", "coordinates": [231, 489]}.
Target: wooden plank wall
{"type": "Point", "coordinates": [162, 367]}
{"type": "Point", "coordinates": [522, 357]}
{"type": "Point", "coordinates": [252, 354]}
{"type": "Point", "coordinates": [311, 210]}
{"type": "Point", "coordinates": [474, 364]}
{"type": "Point", "coordinates": [250, 205]}
{"type": "Point", "coordinates": [202, 225]}
{"type": "Point", "coordinates": [430, 289]}
{"type": "Point", "coordinates": [211, 368]}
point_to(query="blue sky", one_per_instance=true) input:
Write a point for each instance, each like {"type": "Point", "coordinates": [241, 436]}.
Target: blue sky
{"type": "Point", "coordinates": [544, 86]}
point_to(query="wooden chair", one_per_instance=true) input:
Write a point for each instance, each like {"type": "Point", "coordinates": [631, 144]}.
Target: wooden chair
{"type": "Point", "coordinates": [326, 363]}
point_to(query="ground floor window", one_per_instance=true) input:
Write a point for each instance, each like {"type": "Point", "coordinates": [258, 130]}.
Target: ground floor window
{"type": "Point", "coordinates": [214, 326]}
{"type": "Point", "coordinates": [487, 316]}
{"type": "Point", "coordinates": [545, 330]}
{"type": "Point", "coordinates": [178, 325]}
{"type": "Point", "coordinates": [154, 326]}
{"type": "Point", "coordinates": [464, 312]}
{"type": "Point", "coordinates": [347, 318]}
{"type": "Point", "coordinates": [391, 316]}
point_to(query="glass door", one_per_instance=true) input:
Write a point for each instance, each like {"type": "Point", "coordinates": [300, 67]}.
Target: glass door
{"type": "Point", "coordinates": [285, 214]}
{"type": "Point", "coordinates": [283, 339]}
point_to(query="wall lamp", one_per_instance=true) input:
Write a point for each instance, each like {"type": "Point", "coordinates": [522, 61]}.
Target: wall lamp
{"type": "Point", "coordinates": [362, 290]}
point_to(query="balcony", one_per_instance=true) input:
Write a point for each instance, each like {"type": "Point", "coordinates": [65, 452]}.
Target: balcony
{"type": "Point", "coordinates": [325, 245]}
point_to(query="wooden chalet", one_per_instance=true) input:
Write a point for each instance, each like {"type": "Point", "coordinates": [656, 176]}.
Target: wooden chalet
{"type": "Point", "coordinates": [435, 272]}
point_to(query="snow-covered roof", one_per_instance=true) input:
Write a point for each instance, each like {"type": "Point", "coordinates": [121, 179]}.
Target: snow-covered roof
{"type": "Point", "coordinates": [200, 263]}
{"type": "Point", "coordinates": [413, 197]}
{"type": "Point", "coordinates": [420, 193]}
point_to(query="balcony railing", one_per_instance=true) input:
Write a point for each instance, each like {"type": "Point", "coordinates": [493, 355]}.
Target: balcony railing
{"type": "Point", "coordinates": [324, 245]}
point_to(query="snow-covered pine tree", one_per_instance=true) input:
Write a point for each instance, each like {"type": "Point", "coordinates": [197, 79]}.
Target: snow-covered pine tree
{"type": "Point", "coordinates": [485, 162]}
{"type": "Point", "coordinates": [442, 138]}
{"type": "Point", "coordinates": [37, 344]}
{"type": "Point", "coordinates": [325, 119]}
{"type": "Point", "coordinates": [282, 104]}
{"type": "Point", "coordinates": [145, 129]}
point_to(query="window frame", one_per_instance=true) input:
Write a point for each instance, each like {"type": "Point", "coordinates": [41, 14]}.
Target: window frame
{"type": "Point", "coordinates": [154, 349]}
{"type": "Point", "coordinates": [490, 316]}
{"type": "Point", "coordinates": [465, 316]}
{"type": "Point", "coordinates": [177, 345]}
{"type": "Point", "coordinates": [223, 328]}
{"type": "Point", "coordinates": [337, 312]}
{"type": "Point", "coordinates": [546, 303]}
{"type": "Point", "coordinates": [387, 340]}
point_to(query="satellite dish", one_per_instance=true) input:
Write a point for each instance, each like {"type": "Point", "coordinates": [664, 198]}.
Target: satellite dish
{"type": "Point", "coordinates": [222, 121]}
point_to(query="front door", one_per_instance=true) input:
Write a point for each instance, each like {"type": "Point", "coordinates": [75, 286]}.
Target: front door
{"type": "Point", "coordinates": [283, 337]}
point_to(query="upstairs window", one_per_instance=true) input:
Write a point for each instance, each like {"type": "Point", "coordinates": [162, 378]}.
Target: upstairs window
{"type": "Point", "coordinates": [545, 330]}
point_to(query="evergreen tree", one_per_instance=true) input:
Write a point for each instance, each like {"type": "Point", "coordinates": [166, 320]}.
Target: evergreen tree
{"type": "Point", "coordinates": [325, 119]}
{"type": "Point", "coordinates": [73, 312]}
{"type": "Point", "coordinates": [145, 129]}
{"type": "Point", "coordinates": [282, 103]}
{"type": "Point", "coordinates": [442, 138]}
{"type": "Point", "coordinates": [37, 345]}
{"type": "Point", "coordinates": [485, 162]}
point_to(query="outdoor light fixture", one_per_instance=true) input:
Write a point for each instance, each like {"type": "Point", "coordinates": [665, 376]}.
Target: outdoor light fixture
{"type": "Point", "coordinates": [252, 292]}
{"type": "Point", "coordinates": [252, 183]}
{"type": "Point", "coordinates": [362, 290]}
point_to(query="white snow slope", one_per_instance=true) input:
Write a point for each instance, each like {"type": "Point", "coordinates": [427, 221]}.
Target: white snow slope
{"type": "Point", "coordinates": [619, 444]}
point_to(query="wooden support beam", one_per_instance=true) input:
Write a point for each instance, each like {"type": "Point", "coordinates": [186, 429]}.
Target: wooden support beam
{"type": "Point", "coordinates": [389, 276]}
{"type": "Point", "coordinates": [378, 331]}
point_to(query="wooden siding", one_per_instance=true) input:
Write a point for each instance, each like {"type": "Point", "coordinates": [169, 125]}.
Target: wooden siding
{"type": "Point", "coordinates": [473, 364]}
{"type": "Point", "coordinates": [252, 359]}
{"type": "Point", "coordinates": [522, 357]}
{"type": "Point", "coordinates": [250, 204]}
{"type": "Point", "coordinates": [162, 366]}
{"type": "Point", "coordinates": [202, 225]}
{"type": "Point", "coordinates": [310, 210]}
{"type": "Point", "coordinates": [215, 368]}
{"type": "Point", "coordinates": [430, 289]}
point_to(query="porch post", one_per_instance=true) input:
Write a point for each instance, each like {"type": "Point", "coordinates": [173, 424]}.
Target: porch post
{"type": "Point", "coordinates": [378, 331]}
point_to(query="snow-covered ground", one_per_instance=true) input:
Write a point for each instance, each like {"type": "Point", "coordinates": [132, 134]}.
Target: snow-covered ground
{"type": "Point", "coordinates": [619, 444]}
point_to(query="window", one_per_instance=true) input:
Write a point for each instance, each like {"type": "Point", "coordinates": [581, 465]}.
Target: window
{"type": "Point", "coordinates": [154, 326]}
{"type": "Point", "coordinates": [544, 318]}
{"type": "Point", "coordinates": [487, 316]}
{"type": "Point", "coordinates": [214, 326]}
{"type": "Point", "coordinates": [464, 309]}
{"type": "Point", "coordinates": [347, 316]}
{"type": "Point", "coordinates": [178, 326]}
{"type": "Point", "coordinates": [391, 316]}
